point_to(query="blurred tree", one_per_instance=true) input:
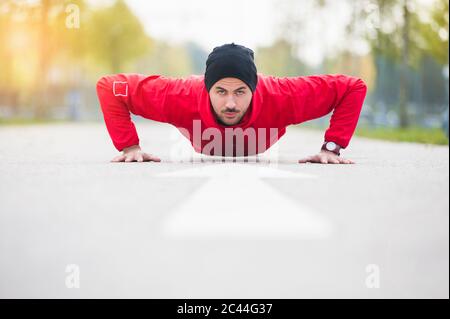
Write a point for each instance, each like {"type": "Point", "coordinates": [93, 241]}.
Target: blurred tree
{"type": "Point", "coordinates": [405, 47]}
{"type": "Point", "coordinates": [60, 47]}
{"type": "Point", "coordinates": [71, 40]}
{"type": "Point", "coordinates": [405, 41]}
{"type": "Point", "coordinates": [166, 60]}
{"type": "Point", "coordinates": [116, 36]}
{"type": "Point", "coordinates": [47, 53]}
{"type": "Point", "coordinates": [279, 60]}
{"type": "Point", "coordinates": [34, 37]}
{"type": "Point", "coordinates": [198, 57]}
{"type": "Point", "coordinates": [435, 32]}
{"type": "Point", "coordinates": [349, 63]}
{"type": "Point", "coordinates": [6, 54]}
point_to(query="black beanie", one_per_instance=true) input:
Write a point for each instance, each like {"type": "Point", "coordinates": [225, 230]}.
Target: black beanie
{"type": "Point", "coordinates": [231, 60]}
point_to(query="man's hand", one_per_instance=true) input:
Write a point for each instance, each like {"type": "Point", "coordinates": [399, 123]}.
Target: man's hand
{"type": "Point", "coordinates": [135, 154]}
{"type": "Point", "coordinates": [326, 157]}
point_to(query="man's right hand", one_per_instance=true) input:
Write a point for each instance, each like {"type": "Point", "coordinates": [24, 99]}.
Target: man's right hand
{"type": "Point", "coordinates": [135, 154]}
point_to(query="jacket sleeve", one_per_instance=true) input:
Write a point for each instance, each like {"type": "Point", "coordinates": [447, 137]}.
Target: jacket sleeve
{"type": "Point", "coordinates": [311, 97]}
{"type": "Point", "coordinates": [153, 97]}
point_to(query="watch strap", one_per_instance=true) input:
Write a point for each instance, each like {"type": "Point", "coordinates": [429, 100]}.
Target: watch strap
{"type": "Point", "coordinates": [336, 150]}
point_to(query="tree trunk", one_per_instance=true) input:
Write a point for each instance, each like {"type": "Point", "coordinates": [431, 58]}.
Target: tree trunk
{"type": "Point", "coordinates": [41, 107]}
{"type": "Point", "coordinates": [403, 98]}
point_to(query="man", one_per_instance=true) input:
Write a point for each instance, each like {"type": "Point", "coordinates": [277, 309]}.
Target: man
{"type": "Point", "coordinates": [231, 110]}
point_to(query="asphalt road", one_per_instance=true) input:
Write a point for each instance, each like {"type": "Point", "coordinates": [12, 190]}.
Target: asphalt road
{"type": "Point", "coordinates": [74, 225]}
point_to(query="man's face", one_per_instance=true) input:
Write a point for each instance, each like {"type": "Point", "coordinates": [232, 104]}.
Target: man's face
{"type": "Point", "coordinates": [230, 99]}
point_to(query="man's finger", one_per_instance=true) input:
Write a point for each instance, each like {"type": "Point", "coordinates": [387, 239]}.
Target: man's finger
{"type": "Point", "coordinates": [150, 157]}
{"type": "Point", "coordinates": [334, 161]}
{"type": "Point", "coordinates": [303, 160]}
{"type": "Point", "coordinates": [346, 161]}
{"type": "Point", "coordinates": [139, 157]}
{"type": "Point", "coordinates": [129, 159]}
{"type": "Point", "coordinates": [119, 158]}
{"type": "Point", "coordinates": [306, 159]}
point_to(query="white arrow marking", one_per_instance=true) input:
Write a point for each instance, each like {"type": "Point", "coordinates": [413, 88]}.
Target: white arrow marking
{"type": "Point", "coordinates": [236, 203]}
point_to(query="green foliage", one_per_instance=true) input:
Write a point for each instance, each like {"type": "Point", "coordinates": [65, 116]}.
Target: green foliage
{"type": "Point", "coordinates": [435, 34]}
{"type": "Point", "coordinates": [26, 121]}
{"type": "Point", "coordinates": [411, 134]}
{"type": "Point", "coordinates": [167, 60]}
{"type": "Point", "coordinates": [388, 36]}
{"type": "Point", "coordinates": [116, 36]}
{"type": "Point", "coordinates": [279, 60]}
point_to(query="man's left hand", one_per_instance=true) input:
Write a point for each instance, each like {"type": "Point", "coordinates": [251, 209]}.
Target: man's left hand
{"type": "Point", "coordinates": [326, 157]}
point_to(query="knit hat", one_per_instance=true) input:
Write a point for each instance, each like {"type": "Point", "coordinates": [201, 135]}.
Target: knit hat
{"type": "Point", "coordinates": [231, 60]}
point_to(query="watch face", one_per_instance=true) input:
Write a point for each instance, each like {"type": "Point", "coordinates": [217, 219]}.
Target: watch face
{"type": "Point", "coordinates": [331, 146]}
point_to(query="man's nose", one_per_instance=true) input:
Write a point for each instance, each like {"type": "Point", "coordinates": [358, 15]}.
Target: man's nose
{"type": "Point", "coordinates": [231, 103]}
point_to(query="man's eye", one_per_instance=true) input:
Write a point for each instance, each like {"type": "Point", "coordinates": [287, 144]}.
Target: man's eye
{"type": "Point", "coordinates": [221, 92]}
{"type": "Point", "coordinates": [240, 92]}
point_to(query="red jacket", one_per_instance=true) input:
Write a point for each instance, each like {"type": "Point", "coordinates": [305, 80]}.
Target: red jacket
{"type": "Point", "coordinates": [276, 103]}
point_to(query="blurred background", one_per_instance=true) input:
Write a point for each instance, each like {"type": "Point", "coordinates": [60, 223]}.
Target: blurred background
{"type": "Point", "coordinates": [52, 53]}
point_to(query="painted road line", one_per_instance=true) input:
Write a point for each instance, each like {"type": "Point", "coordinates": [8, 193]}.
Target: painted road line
{"type": "Point", "coordinates": [237, 203]}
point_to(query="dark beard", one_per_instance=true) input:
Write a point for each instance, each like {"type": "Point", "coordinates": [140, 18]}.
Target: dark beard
{"type": "Point", "coordinates": [224, 124]}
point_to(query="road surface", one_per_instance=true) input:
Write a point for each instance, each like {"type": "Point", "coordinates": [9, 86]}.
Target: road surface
{"type": "Point", "coordinates": [74, 225]}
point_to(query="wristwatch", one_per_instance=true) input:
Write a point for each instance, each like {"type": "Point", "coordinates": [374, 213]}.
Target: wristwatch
{"type": "Point", "coordinates": [331, 147]}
